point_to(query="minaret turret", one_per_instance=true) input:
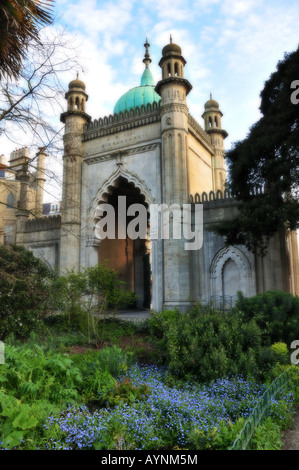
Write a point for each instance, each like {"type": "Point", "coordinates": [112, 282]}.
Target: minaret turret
{"type": "Point", "coordinates": [173, 89]}
{"type": "Point", "coordinates": [74, 119]}
{"type": "Point", "coordinates": [212, 118]}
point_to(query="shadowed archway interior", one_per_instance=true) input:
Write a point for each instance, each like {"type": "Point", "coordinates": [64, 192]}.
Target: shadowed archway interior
{"type": "Point", "coordinates": [131, 258]}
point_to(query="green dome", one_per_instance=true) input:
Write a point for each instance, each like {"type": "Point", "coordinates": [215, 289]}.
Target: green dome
{"type": "Point", "coordinates": [138, 96]}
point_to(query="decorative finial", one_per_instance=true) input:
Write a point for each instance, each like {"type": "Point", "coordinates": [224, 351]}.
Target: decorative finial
{"type": "Point", "coordinates": [170, 39]}
{"type": "Point", "coordinates": [147, 60]}
{"type": "Point", "coordinates": [211, 96]}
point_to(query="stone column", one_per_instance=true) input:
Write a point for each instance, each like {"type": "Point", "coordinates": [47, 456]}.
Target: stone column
{"type": "Point", "coordinates": [22, 213]}
{"type": "Point", "coordinates": [40, 181]}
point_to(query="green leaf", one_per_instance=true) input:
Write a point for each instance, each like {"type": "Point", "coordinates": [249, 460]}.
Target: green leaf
{"type": "Point", "coordinates": [13, 440]}
{"type": "Point", "coordinates": [24, 421]}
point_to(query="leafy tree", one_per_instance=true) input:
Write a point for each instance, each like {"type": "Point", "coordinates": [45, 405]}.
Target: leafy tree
{"type": "Point", "coordinates": [20, 21]}
{"type": "Point", "coordinates": [34, 60]}
{"type": "Point", "coordinates": [30, 105]}
{"type": "Point", "coordinates": [24, 291]}
{"type": "Point", "coordinates": [86, 297]}
{"type": "Point", "coordinates": [268, 158]}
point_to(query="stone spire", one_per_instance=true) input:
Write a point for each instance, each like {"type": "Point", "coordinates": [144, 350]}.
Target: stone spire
{"type": "Point", "coordinates": [147, 60]}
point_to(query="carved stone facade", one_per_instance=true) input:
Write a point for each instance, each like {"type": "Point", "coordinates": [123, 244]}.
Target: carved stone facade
{"type": "Point", "coordinates": [155, 152]}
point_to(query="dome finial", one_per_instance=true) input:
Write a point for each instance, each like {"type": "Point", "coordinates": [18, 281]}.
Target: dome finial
{"type": "Point", "coordinates": [211, 96]}
{"type": "Point", "coordinates": [170, 39]}
{"type": "Point", "coordinates": [147, 60]}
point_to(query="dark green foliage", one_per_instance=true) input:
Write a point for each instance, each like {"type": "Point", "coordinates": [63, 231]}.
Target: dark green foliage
{"type": "Point", "coordinates": [275, 312]}
{"type": "Point", "coordinates": [248, 340]}
{"type": "Point", "coordinates": [267, 157]}
{"type": "Point", "coordinates": [25, 284]}
{"type": "Point", "coordinates": [207, 344]}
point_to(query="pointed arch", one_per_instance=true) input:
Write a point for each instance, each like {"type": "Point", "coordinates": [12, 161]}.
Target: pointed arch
{"type": "Point", "coordinates": [111, 182]}
{"type": "Point", "coordinates": [235, 255]}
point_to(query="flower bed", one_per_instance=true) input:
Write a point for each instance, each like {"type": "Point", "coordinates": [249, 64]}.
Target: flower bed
{"type": "Point", "coordinates": [163, 418]}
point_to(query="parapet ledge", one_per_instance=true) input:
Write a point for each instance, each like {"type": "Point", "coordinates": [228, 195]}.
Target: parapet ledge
{"type": "Point", "coordinates": [47, 222]}
{"type": "Point", "coordinates": [214, 197]}
{"type": "Point", "coordinates": [119, 118]}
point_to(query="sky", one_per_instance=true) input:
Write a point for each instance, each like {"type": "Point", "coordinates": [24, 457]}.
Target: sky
{"type": "Point", "coordinates": [231, 48]}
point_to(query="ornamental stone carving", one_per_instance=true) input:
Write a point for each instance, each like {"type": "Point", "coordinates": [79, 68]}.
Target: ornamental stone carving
{"type": "Point", "coordinates": [72, 144]}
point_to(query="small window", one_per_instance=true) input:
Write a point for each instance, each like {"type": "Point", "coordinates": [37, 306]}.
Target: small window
{"type": "Point", "coordinates": [10, 202]}
{"type": "Point", "coordinates": [8, 235]}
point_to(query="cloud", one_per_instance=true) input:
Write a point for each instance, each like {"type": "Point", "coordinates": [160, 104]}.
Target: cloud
{"type": "Point", "coordinates": [170, 10]}
{"type": "Point", "coordinates": [88, 17]}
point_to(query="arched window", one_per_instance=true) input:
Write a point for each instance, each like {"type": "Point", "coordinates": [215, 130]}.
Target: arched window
{"type": "Point", "coordinates": [168, 69]}
{"type": "Point", "coordinates": [176, 69]}
{"type": "Point", "coordinates": [216, 121]}
{"type": "Point", "coordinates": [210, 122]}
{"type": "Point", "coordinates": [230, 279]}
{"type": "Point", "coordinates": [231, 271]}
{"type": "Point", "coordinates": [77, 103]}
{"type": "Point", "coordinates": [10, 201]}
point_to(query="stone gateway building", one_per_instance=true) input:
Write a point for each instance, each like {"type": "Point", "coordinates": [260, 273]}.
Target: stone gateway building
{"type": "Point", "coordinates": [153, 152]}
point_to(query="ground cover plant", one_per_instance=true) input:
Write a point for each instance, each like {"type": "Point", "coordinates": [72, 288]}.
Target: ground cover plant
{"type": "Point", "coordinates": [35, 383]}
{"type": "Point", "coordinates": [165, 417]}
{"type": "Point", "coordinates": [104, 400]}
{"type": "Point", "coordinates": [75, 379]}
